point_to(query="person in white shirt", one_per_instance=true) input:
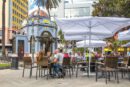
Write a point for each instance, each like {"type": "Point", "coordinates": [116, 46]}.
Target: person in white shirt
{"type": "Point", "coordinates": [58, 63]}
{"type": "Point", "coordinates": [78, 57]}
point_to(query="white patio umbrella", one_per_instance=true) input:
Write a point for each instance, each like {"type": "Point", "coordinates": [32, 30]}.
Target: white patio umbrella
{"type": "Point", "coordinates": [107, 26]}
{"type": "Point", "coordinates": [128, 31]}
{"type": "Point", "coordinates": [92, 46]}
{"type": "Point", "coordinates": [124, 32]}
{"type": "Point", "coordinates": [125, 35]}
{"type": "Point", "coordinates": [83, 37]}
{"type": "Point", "coordinates": [94, 43]}
{"type": "Point", "coordinates": [126, 45]}
{"type": "Point", "coordinates": [92, 25]}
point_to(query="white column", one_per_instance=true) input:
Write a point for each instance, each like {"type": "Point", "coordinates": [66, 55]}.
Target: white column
{"type": "Point", "coordinates": [61, 10]}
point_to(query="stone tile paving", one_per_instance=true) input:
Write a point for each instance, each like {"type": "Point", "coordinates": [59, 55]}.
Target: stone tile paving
{"type": "Point", "coordinates": [13, 78]}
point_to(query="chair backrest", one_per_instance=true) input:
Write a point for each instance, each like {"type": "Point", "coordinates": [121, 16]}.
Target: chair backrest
{"type": "Point", "coordinates": [66, 55]}
{"type": "Point", "coordinates": [128, 61]}
{"type": "Point", "coordinates": [93, 59]}
{"type": "Point", "coordinates": [27, 60]}
{"type": "Point", "coordinates": [43, 61]}
{"type": "Point", "coordinates": [66, 61]}
{"type": "Point", "coordinates": [111, 61]}
{"type": "Point", "coordinates": [73, 60]}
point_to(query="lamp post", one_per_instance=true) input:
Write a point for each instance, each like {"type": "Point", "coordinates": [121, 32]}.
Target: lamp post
{"type": "Point", "coordinates": [38, 23]}
{"type": "Point", "coordinates": [32, 41]}
{"type": "Point", "coordinates": [3, 28]}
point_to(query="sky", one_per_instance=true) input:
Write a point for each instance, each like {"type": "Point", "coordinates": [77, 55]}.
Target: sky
{"type": "Point", "coordinates": [32, 5]}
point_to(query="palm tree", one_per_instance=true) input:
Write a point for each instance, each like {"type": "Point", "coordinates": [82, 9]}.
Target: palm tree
{"type": "Point", "coordinates": [3, 28]}
{"type": "Point", "coordinates": [49, 4]}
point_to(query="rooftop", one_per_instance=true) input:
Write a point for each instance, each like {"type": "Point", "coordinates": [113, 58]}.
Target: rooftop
{"type": "Point", "coordinates": [39, 13]}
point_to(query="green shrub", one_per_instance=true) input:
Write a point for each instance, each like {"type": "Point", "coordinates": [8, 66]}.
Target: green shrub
{"type": "Point", "coordinates": [4, 65]}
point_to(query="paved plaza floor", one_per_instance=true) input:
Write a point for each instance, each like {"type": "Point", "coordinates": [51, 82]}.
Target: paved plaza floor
{"type": "Point", "coordinates": [13, 78]}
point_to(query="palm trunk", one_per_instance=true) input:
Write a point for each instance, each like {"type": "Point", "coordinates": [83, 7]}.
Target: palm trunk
{"type": "Point", "coordinates": [49, 13]}
{"type": "Point", "coordinates": [38, 10]}
{"type": "Point", "coordinates": [3, 29]}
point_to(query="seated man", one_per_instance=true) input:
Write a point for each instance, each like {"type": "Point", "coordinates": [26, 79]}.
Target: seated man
{"type": "Point", "coordinates": [58, 63]}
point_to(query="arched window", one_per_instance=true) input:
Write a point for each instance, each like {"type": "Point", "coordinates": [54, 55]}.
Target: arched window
{"type": "Point", "coordinates": [46, 41]}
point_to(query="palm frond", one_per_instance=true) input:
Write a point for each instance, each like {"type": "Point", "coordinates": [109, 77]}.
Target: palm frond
{"type": "Point", "coordinates": [48, 3]}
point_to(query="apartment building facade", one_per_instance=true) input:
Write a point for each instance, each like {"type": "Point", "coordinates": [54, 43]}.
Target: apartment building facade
{"type": "Point", "coordinates": [15, 12]}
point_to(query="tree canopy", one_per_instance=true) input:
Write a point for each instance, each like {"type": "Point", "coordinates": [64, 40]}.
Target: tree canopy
{"type": "Point", "coordinates": [112, 8]}
{"type": "Point", "coordinates": [115, 8]}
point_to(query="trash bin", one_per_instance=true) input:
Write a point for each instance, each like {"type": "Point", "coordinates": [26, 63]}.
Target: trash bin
{"type": "Point", "coordinates": [14, 62]}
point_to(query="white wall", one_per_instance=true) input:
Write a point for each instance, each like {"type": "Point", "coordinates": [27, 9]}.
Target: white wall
{"type": "Point", "coordinates": [73, 8]}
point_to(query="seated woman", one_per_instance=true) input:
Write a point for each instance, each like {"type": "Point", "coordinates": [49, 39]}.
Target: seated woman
{"type": "Point", "coordinates": [40, 56]}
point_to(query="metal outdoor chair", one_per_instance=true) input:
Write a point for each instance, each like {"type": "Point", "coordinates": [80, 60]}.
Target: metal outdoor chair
{"type": "Point", "coordinates": [109, 66]}
{"type": "Point", "coordinates": [82, 65]}
{"type": "Point", "coordinates": [67, 65]}
{"type": "Point", "coordinates": [28, 64]}
{"type": "Point", "coordinates": [125, 67]}
{"type": "Point", "coordinates": [43, 64]}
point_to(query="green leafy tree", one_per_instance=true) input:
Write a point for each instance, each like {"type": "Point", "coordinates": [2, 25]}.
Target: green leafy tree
{"type": "Point", "coordinates": [126, 8]}
{"type": "Point", "coordinates": [80, 50]}
{"type": "Point", "coordinates": [115, 43]}
{"type": "Point", "coordinates": [118, 8]}
{"type": "Point", "coordinates": [61, 37]}
{"type": "Point", "coordinates": [112, 8]}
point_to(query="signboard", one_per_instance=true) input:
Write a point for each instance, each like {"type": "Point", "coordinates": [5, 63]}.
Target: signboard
{"type": "Point", "coordinates": [46, 21]}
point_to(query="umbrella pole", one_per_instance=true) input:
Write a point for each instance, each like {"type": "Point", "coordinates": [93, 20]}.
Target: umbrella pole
{"type": "Point", "coordinates": [89, 57]}
{"type": "Point", "coordinates": [89, 47]}
{"type": "Point", "coordinates": [85, 46]}
{"type": "Point", "coordinates": [102, 51]}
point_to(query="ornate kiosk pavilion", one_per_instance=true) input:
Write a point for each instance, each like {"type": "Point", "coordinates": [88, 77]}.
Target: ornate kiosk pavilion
{"type": "Point", "coordinates": [38, 33]}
